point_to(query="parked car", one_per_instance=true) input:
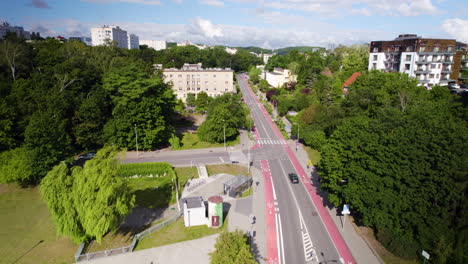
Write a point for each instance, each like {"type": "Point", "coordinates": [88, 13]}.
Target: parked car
{"type": "Point", "coordinates": [293, 178]}
{"type": "Point", "coordinates": [87, 156]}
{"type": "Point", "coordinates": [454, 86]}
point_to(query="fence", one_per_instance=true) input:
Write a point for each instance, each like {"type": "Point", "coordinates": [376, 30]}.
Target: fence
{"type": "Point", "coordinates": [116, 251]}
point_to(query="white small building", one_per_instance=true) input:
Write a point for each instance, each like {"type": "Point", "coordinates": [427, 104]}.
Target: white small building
{"type": "Point", "coordinates": [279, 77]}
{"type": "Point", "coordinates": [133, 41]}
{"type": "Point", "coordinates": [100, 35]}
{"type": "Point", "coordinates": [155, 44]}
{"type": "Point", "coordinates": [231, 50]}
{"type": "Point", "coordinates": [194, 211]}
{"type": "Point", "coordinates": [266, 57]}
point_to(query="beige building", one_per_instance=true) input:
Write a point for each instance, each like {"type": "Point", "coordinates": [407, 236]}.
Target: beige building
{"type": "Point", "coordinates": [192, 78]}
{"type": "Point", "coordinates": [279, 76]}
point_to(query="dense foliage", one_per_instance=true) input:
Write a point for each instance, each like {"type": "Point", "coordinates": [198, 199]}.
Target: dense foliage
{"type": "Point", "coordinates": [225, 115]}
{"type": "Point", "coordinates": [232, 248]}
{"type": "Point", "coordinates": [145, 169]}
{"type": "Point", "coordinates": [87, 202]}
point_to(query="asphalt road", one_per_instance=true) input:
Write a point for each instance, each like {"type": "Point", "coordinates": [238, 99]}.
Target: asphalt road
{"type": "Point", "coordinates": [185, 158]}
{"type": "Point", "coordinates": [301, 236]}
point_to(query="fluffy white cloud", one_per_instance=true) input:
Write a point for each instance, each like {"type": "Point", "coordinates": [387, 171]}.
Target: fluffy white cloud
{"type": "Point", "coordinates": [205, 28]}
{"type": "Point", "coordinates": [334, 8]}
{"type": "Point", "coordinates": [217, 3]}
{"type": "Point", "coordinates": [144, 2]}
{"type": "Point", "coordinates": [456, 28]}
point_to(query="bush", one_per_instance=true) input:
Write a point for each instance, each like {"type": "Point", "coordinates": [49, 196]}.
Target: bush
{"type": "Point", "coordinates": [145, 169]}
{"type": "Point", "coordinates": [315, 139]}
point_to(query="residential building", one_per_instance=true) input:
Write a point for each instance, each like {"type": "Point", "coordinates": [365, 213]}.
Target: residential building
{"type": "Point", "coordinates": [266, 57]}
{"type": "Point", "coordinates": [460, 66]}
{"type": "Point", "coordinates": [279, 77]}
{"type": "Point", "coordinates": [192, 78]}
{"type": "Point", "coordinates": [133, 41]}
{"type": "Point", "coordinates": [430, 61]}
{"type": "Point", "coordinates": [85, 40]}
{"type": "Point", "coordinates": [100, 36]}
{"type": "Point", "coordinates": [155, 44]}
{"type": "Point", "coordinates": [231, 50]}
{"type": "Point", "coordinates": [6, 28]}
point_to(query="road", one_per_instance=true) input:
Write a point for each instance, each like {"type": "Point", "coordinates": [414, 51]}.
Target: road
{"type": "Point", "coordinates": [298, 232]}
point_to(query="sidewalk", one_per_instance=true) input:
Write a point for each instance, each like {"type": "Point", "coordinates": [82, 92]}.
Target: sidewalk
{"type": "Point", "coordinates": [357, 244]}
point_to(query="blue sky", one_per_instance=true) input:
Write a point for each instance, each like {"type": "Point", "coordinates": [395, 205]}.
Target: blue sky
{"type": "Point", "coordinates": [265, 23]}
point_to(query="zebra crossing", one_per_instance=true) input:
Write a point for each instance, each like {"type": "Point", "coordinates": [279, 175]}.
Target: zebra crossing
{"type": "Point", "coordinates": [270, 141]}
{"type": "Point", "coordinates": [309, 250]}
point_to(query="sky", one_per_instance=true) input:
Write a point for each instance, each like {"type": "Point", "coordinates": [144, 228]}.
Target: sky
{"type": "Point", "coordinates": [264, 23]}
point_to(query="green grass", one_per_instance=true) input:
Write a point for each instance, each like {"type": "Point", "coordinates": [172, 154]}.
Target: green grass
{"type": "Point", "coordinates": [247, 192]}
{"type": "Point", "coordinates": [191, 141]}
{"type": "Point", "coordinates": [184, 174]}
{"type": "Point", "coordinates": [24, 221]}
{"type": "Point", "coordinates": [177, 232]}
{"type": "Point", "coordinates": [227, 168]}
{"type": "Point", "coordinates": [314, 155]}
{"type": "Point", "coordinates": [145, 169]}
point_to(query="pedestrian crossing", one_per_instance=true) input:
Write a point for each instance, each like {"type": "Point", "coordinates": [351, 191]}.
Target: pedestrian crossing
{"type": "Point", "coordinates": [270, 141]}
{"type": "Point", "coordinates": [309, 250]}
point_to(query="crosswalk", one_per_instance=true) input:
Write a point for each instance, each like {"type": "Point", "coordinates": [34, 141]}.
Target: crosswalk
{"type": "Point", "coordinates": [309, 250]}
{"type": "Point", "coordinates": [270, 141]}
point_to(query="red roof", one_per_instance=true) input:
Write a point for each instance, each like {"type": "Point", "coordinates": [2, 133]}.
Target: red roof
{"type": "Point", "coordinates": [350, 81]}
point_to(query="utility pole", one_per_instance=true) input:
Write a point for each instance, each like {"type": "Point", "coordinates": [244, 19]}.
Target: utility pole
{"type": "Point", "coordinates": [177, 194]}
{"type": "Point", "coordinates": [136, 139]}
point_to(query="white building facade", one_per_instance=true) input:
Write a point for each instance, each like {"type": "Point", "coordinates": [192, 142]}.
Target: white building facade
{"type": "Point", "coordinates": [192, 78]}
{"type": "Point", "coordinates": [155, 44]}
{"type": "Point", "coordinates": [99, 36]}
{"type": "Point", "coordinates": [430, 61]}
{"type": "Point", "coordinates": [194, 211]}
{"type": "Point", "coordinates": [133, 41]}
{"type": "Point", "coordinates": [279, 77]}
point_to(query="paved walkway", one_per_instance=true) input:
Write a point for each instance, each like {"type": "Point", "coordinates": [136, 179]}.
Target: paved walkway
{"type": "Point", "coordinates": [192, 251]}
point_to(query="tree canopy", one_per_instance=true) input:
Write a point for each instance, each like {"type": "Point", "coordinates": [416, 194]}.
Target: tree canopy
{"type": "Point", "coordinates": [232, 248]}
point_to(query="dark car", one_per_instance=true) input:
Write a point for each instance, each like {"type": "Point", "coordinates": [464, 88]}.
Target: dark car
{"type": "Point", "coordinates": [293, 178]}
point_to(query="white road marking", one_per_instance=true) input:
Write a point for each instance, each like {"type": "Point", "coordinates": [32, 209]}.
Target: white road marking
{"type": "Point", "coordinates": [281, 235]}
{"type": "Point", "coordinates": [222, 160]}
{"type": "Point", "coordinates": [278, 242]}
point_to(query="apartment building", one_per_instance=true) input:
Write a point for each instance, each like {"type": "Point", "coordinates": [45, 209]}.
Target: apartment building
{"type": "Point", "coordinates": [460, 65]}
{"type": "Point", "coordinates": [85, 40]}
{"type": "Point", "coordinates": [278, 77]}
{"type": "Point", "coordinates": [155, 44]}
{"type": "Point", "coordinates": [430, 61]}
{"type": "Point", "coordinates": [192, 78]}
{"type": "Point", "coordinates": [19, 31]}
{"type": "Point", "coordinates": [133, 41]}
{"type": "Point", "coordinates": [99, 36]}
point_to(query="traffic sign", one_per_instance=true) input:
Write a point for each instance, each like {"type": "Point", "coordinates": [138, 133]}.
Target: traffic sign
{"type": "Point", "coordinates": [345, 210]}
{"type": "Point", "coordinates": [425, 254]}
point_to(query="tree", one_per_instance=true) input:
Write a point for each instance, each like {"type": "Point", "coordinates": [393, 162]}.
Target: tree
{"type": "Point", "coordinates": [254, 74]}
{"type": "Point", "coordinates": [190, 100]}
{"type": "Point", "coordinates": [202, 101]}
{"type": "Point", "coordinates": [232, 248]}
{"type": "Point", "coordinates": [16, 166]}
{"type": "Point", "coordinates": [88, 202]}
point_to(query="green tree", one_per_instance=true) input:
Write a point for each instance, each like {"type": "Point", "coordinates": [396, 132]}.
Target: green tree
{"type": "Point", "coordinates": [190, 100]}
{"type": "Point", "coordinates": [232, 248]}
{"type": "Point", "coordinates": [254, 74]}
{"type": "Point", "coordinates": [202, 101]}
{"type": "Point", "coordinates": [88, 202]}
{"type": "Point", "coordinates": [16, 166]}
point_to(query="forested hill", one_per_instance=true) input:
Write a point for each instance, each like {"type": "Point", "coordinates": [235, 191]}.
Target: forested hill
{"type": "Point", "coordinates": [59, 99]}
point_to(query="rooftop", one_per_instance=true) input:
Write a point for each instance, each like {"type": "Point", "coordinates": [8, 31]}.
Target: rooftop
{"type": "Point", "coordinates": [193, 202]}
{"type": "Point", "coordinates": [237, 181]}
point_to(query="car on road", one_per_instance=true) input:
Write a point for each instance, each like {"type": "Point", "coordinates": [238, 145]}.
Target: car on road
{"type": "Point", "coordinates": [293, 178]}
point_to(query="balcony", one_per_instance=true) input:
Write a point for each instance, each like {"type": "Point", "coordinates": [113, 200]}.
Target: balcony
{"type": "Point", "coordinates": [446, 71]}
{"type": "Point", "coordinates": [423, 71]}
{"type": "Point", "coordinates": [447, 62]}
{"type": "Point", "coordinates": [422, 62]}
{"type": "Point", "coordinates": [423, 81]}
{"type": "Point", "coordinates": [436, 52]}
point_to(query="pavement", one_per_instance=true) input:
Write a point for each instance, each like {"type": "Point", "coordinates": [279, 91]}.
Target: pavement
{"type": "Point", "coordinates": [192, 251]}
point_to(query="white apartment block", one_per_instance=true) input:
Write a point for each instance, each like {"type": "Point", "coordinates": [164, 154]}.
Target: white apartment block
{"type": "Point", "coordinates": [192, 78]}
{"type": "Point", "coordinates": [430, 61]}
{"type": "Point", "coordinates": [19, 31]}
{"type": "Point", "coordinates": [133, 41]}
{"type": "Point", "coordinates": [100, 35]}
{"type": "Point", "coordinates": [155, 44]}
{"type": "Point", "coordinates": [279, 77]}
{"type": "Point", "coordinates": [266, 57]}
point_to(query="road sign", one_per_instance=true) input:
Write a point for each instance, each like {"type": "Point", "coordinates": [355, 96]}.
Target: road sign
{"type": "Point", "coordinates": [425, 254]}
{"type": "Point", "coordinates": [345, 210]}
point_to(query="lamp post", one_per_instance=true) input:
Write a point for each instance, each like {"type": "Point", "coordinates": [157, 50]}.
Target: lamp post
{"type": "Point", "coordinates": [297, 142]}
{"type": "Point", "coordinates": [177, 194]}
{"type": "Point", "coordinates": [224, 133]}
{"type": "Point", "coordinates": [136, 139]}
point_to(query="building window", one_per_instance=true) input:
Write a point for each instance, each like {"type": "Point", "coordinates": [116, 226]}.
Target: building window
{"type": "Point", "coordinates": [437, 76]}
{"type": "Point", "coordinates": [449, 48]}
{"type": "Point", "coordinates": [433, 66]}
{"type": "Point", "coordinates": [409, 48]}
{"type": "Point", "coordinates": [375, 49]}
{"type": "Point", "coordinates": [226, 82]}
{"type": "Point", "coordinates": [375, 57]}
{"type": "Point", "coordinates": [436, 49]}
{"type": "Point", "coordinates": [214, 75]}
{"type": "Point", "coordinates": [431, 76]}
{"type": "Point", "coordinates": [422, 49]}
{"type": "Point", "coordinates": [408, 57]}
{"type": "Point", "coordinates": [374, 66]}
{"type": "Point", "coordinates": [440, 66]}
{"type": "Point", "coordinates": [407, 67]}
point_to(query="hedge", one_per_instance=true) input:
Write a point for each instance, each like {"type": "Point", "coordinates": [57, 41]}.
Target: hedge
{"type": "Point", "coordinates": [156, 169]}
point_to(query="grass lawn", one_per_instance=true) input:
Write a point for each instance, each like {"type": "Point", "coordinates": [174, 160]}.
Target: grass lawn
{"type": "Point", "coordinates": [314, 155]}
{"type": "Point", "coordinates": [24, 222]}
{"type": "Point", "coordinates": [177, 232]}
{"type": "Point", "coordinates": [227, 168]}
{"type": "Point", "coordinates": [191, 141]}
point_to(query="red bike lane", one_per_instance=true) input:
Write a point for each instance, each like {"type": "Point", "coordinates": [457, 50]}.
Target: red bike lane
{"type": "Point", "coordinates": [272, 238]}
{"type": "Point", "coordinates": [330, 226]}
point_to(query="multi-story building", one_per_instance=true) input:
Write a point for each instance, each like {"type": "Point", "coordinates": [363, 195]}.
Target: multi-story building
{"type": "Point", "coordinates": [192, 78]}
{"type": "Point", "coordinates": [101, 35]}
{"type": "Point", "coordinates": [155, 44]}
{"type": "Point", "coordinates": [133, 41]}
{"type": "Point", "coordinates": [85, 40]}
{"type": "Point", "coordinates": [460, 66]}
{"type": "Point", "coordinates": [19, 31]}
{"type": "Point", "coordinates": [278, 77]}
{"type": "Point", "coordinates": [430, 61]}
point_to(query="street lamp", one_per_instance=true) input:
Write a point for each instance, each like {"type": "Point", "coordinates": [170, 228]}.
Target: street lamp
{"type": "Point", "coordinates": [177, 194]}
{"type": "Point", "coordinates": [297, 142]}
{"type": "Point", "coordinates": [136, 139]}
{"type": "Point", "coordinates": [224, 132]}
